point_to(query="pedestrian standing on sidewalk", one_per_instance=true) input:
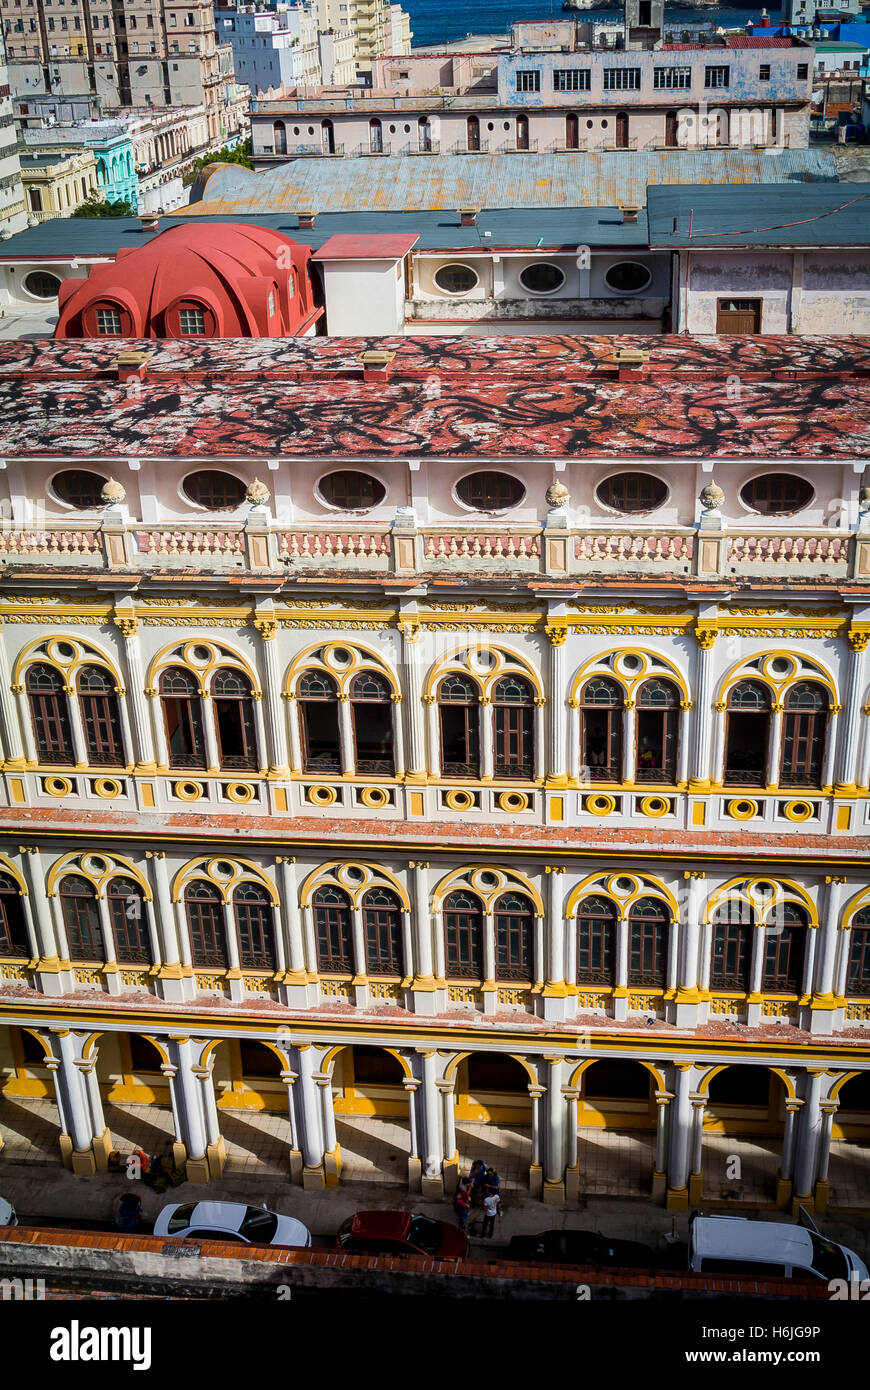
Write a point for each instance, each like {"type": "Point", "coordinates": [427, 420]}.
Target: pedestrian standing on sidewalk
{"type": "Point", "coordinates": [491, 1209]}
{"type": "Point", "coordinates": [462, 1203]}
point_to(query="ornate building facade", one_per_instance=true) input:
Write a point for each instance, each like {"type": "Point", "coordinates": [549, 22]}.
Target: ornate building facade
{"type": "Point", "coordinates": [388, 732]}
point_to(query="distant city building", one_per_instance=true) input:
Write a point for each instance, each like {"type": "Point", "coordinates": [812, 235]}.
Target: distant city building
{"type": "Point", "coordinates": [378, 28]}
{"type": "Point", "coordinates": [271, 48]}
{"type": "Point", "coordinates": [57, 181]}
{"type": "Point", "coordinates": [112, 149]}
{"type": "Point", "coordinates": [811, 12]}
{"type": "Point", "coordinates": [13, 210]}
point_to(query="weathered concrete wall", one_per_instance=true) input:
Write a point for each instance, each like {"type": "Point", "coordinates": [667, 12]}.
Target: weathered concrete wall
{"type": "Point", "coordinates": [821, 292]}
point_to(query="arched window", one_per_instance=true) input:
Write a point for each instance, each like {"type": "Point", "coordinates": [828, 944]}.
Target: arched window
{"type": "Point", "coordinates": [513, 727]}
{"type": "Point", "coordinates": [733, 925]}
{"type": "Point", "coordinates": [318, 715]}
{"type": "Point", "coordinates": [126, 903]}
{"type": "Point", "coordinates": [81, 918]}
{"type": "Point", "coordinates": [658, 713]}
{"type": "Point", "coordinates": [279, 131]}
{"type": "Point", "coordinates": [647, 942]}
{"type": "Point", "coordinates": [332, 927]}
{"type": "Point", "coordinates": [463, 931]}
{"type": "Point", "coordinates": [572, 132]}
{"type": "Point", "coordinates": [459, 711]}
{"type": "Point", "coordinates": [747, 735]}
{"type": "Point", "coordinates": [472, 133]}
{"type": "Point", "coordinates": [785, 942]}
{"type": "Point", "coordinates": [522, 132]}
{"type": "Point", "coordinates": [371, 710]}
{"type": "Point", "coordinates": [382, 926]}
{"type": "Point", "coordinates": [327, 137]}
{"type": "Point", "coordinates": [256, 934]}
{"type": "Point", "coordinates": [205, 922]}
{"type": "Point", "coordinates": [233, 707]}
{"type": "Point", "coordinates": [424, 133]}
{"type": "Point", "coordinates": [50, 716]}
{"type": "Point", "coordinates": [601, 735]}
{"type": "Point", "coordinates": [182, 712]}
{"type": "Point", "coordinates": [596, 942]}
{"type": "Point", "coordinates": [514, 928]}
{"type": "Point", "coordinates": [13, 932]}
{"type": "Point", "coordinates": [803, 735]}
{"type": "Point", "coordinates": [376, 137]}
{"type": "Point", "coordinates": [101, 717]}
{"type": "Point", "coordinates": [858, 977]}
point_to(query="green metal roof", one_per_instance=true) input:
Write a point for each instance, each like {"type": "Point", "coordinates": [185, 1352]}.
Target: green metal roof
{"type": "Point", "coordinates": [760, 215]}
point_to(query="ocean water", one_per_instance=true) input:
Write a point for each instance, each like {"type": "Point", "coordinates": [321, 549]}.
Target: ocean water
{"type": "Point", "coordinates": [444, 21]}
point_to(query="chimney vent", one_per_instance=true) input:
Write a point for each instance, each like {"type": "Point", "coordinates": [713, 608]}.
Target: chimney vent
{"type": "Point", "coordinates": [468, 217]}
{"type": "Point", "coordinates": [132, 363]}
{"type": "Point", "coordinates": [151, 222]}
{"type": "Point", "coordinates": [306, 219]}
{"type": "Point", "coordinates": [376, 364]}
{"type": "Point", "coordinates": [631, 362]}
{"type": "Point", "coordinates": [629, 213]}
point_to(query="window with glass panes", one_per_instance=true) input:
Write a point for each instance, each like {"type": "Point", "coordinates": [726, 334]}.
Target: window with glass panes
{"type": "Point", "coordinates": [252, 909]}
{"type": "Point", "coordinates": [717, 76]}
{"type": "Point", "coordinates": [317, 698]}
{"type": "Point", "coordinates": [596, 941]}
{"type": "Point", "coordinates": [672, 78]}
{"type": "Point", "coordinates": [785, 933]}
{"type": "Point", "coordinates": [13, 932]}
{"type": "Point", "coordinates": [746, 739]}
{"type": "Point", "coordinates": [514, 928]}
{"type": "Point", "coordinates": [233, 705]}
{"type": "Point", "coordinates": [858, 976]}
{"type": "Point", "coordinates": [49, 715]}
{"type": "Point", "coordinates": [206, 925]}
{"type": "Point", "coordinates": [622, 79]}
{"type": "Point", "coordinates": [382, 928]}
{"type": "Point", "coordinates": [333, 931]}
{"type": "Point", "coordinates": [647, 942]}
{"type": "Point", "coordinates": [109, 323]}
{"type": "Point", "coordinates": [101, 717]}
{"type": "Point", "coordinates": [463, 930]}
{"type": "Point", "coordinates": [658, 713]}
{"type": "Point", "coordinates": [803, 735]}
{"type": "Point", "coordinates": [182, 712]}
{"type": "Point", "coordinates": [126, 904]}
{"type": "Point", "coordinates": [513, 727]}
{"type": "Point", "coordinates": [571, 79]}
{"type": "Point", "coordinates": [459, 712]}
{"type": "Point", "coordinates": [601, 712]}
{"type": "Point", "coordinates": [191, 322]}
{"type": "Point", "coordinates": [371, 707]}
{"type": "Point", "coordinates": [732, 946]}
{"type": "Point", "coordinates": [528, 80]}
{"type": "Point", "coordinates": [81, 918]}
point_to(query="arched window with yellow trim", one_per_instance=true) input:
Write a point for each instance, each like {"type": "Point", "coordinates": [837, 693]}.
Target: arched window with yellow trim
{"type": "Point", "coordinates": [514, 935]}
{"type": "Point", "coordinates": [255, 929]}
{"type": "Point", "coordinates": [49, 715]}
{"type": "Point", "coordinates": [371, 709]}
{"type": "Point", "coordinates": [182, 711]}
{"type": "Point", "coordinates": [463, 932]}
{"type": "Point", "coordinates": [81, 918]}
{"type": "Point", "coordinates": [126, 903]}
{"type": "Point", "coordinates": [658, 717]}
{"type": "Point", "coordinates": [13, 930]}
{"type": "Point", "coordinates": [206, 925]}
{"type": "Point", "coordinates": [747, 735]}
{"type": "Point", "coordinates": [101, 717]}
{"type": "Point", "coordinates": [382, 929]}
{"type": "Point", "coordinates": [648, 921]}
{"type": "Point", "coordinates": [804, 726]}
{"type": "Point", "coordinates": [233, 706]}
{"type": "Point", "coordinates": [333, 930]}
{"type": "Point", "coordinates": [858, 974]}
{"type": "Point", "coordinates": [513, 714]}
{"type": "Point", "coordinates": [785, 933]}
{"type": "Point", "coordinates": [596, 941]}
{"type": "Point", "coordinates": [601, 706]}
{"type": "Point", "coordinates": [733, 924]}
{"type": "Point", "coordinates": [459, 716]}
{"type": "Point", "coordinates": [317, 697]}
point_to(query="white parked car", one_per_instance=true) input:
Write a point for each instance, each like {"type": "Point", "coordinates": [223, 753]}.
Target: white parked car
{"type": "Point", "coordinates": [231, 1221]}
{"type": "Point", "coordinates": [736, 1245]}
{"type": "Point", "coordinates": [7, 1214]}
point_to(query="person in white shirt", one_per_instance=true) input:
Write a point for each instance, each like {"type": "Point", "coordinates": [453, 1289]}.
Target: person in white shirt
{"type": "Point", "coordinates": [491, 1209]}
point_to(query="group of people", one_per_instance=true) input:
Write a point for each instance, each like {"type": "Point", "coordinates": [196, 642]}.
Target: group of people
{"type": "Point", "coordinates": [481, 1189]}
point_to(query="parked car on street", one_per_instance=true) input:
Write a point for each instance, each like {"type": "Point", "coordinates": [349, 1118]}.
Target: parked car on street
{"type": "Point", "coordinates": [586, 1248]}
{"type": "Point", "coordinates": [7, 1213]}
{"type": "Point", "coordinates": [230, 1221]}
{"type": "Point", "coordinates": [778, 1249]}
{"type": "Point", "coordinates": [401, 1233]}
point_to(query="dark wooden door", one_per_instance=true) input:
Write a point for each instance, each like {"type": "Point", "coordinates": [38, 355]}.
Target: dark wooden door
{"type": "Point", "coordinates": [622, 130]}
{"type": "Point", "coordinates": [671, 130]}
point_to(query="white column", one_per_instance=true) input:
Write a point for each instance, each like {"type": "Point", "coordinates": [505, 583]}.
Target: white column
{"type": "Point", "coordinates": [184, 1056]}
{"type": "Point", "coordinates": [555, 926]}
{"type": "Point", "coordinates": [163, 909]}
{"type": "Point", "coordinates": [831, 737]}
{"type": "Point", "coordinates": [274, 714]}
{"type": "Point", "coordinates": [789, 1133]}
{"type": "Point", "coordinates": [622, 953]}
{"type": "Point", "coordinates": [698, 1106]}
{"type": "Point", "coordinates": [422, 923]}
{"type": "Point", "coordinates": [809, 1132]}
{"type": "Point", "coordinates": [536, 1092]}
{"type": "Point", "coordinates": [310, 1110]}
{"type": "Point", "coordinates": [291, 926]}
{"type": "Point", "coordinates": [212, 752]}
{"type": "Point", "coordinates": [540, 768]}
{"type": "Point", "coordinates": [143, 742]}
{"type": "Point", "coordinates": [629, 725]}
{"type": "Point", "coordinates": [412, 704]}
{"type": "Point", "coordinates": [663, 1100]}
{"type": "Point", "coordinates": [572, 1096]}
{"type": "Point", "coordinates": [691, 932]}
{"type": "Point", "coordinates": [76, 725]}
{"type": "Point", "coordinates": [488, 947]}
{"type": "Point", "coordinates": [774, 744]}
{"type": "Point", "coordinates": [432, 1151]}
{"type": "Point", "coordinates": [158, 724]}
{"type": "Point", "coordinates": [359, 944]}
{"type": "Point", "coordinates": [448, 1118]}
{"type": "Point", "coordinates": [181, 930]}
{"type": "Point", "coordinates": [487, 755]}
{"type": "Point", "coordinates": [809, 960]}
{"type": "Point", "coordinates": [756, 964]}
{"type": "Point", "coordinates": [558, 770]}
{"type": "Point", "coordinates": [295, 735]}
{"type": "Point", "coordinates": [73, 1101]}
{"type": "Point", "coordinates": [683, 743]}
{"type": "Point", "coordinates": [432, 733]}
{"type": "Point", "coordinates": [554, 1164]}
{"type": "Point", "coordinates": [843, 962]}
{"type": "Point", "coordinates": [345, 723]}
{"type": "Point", "coordinates": [34, 872]}
{"type": "Point", "coordinates": [10, 723]}
{"type": "Point", "coordinates": [678, 1165]}
{"type": "Point", "coordinates": [704, 712]}
{"type": "Point", "coordinates": [824, 1156]}
{"type": "Point", "coordinates": [398, 735]}
{"type": "Point", "coordinates": [327, 1110]}
{"type": "Point", "coordinates": [852, 705]}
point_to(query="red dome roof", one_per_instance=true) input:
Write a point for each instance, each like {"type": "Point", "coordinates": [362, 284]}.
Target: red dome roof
{"type": "Point", "coordinates": [209, 279]}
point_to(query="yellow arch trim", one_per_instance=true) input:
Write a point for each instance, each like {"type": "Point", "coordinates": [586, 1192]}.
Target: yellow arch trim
{"type": "Point", "coordinates": [322, 873]}
{"type": "Point", "coordinates": [342, 679]}
{"type": "Point", "coordinates": [488, 898]}
{"type": "Point", "coordinates": [118, 865]}
{"type": "Point", "coordinates": [656, 889]}
{"type": "Point", "coordinates": [739, 671]}
{"type": "Point", "coordinates": [92, 656]}
{"type": "Point", "coordinates": [834, 1092]}
{"type": "Point", "coordinates": [46, 1050]}
{"type": "Point", "coordinates": [628, 683]}
{"type": "Point", "coordinates": [155, 1042]}
{"type": "Point", "coordinates": [853, 906]}
{"type": "Point", "coordinates": [331, 1055]}
{"type": "Point", "coordinates": [203, 675]}
{"type": "Point", "coordinates": [787, 1081]}
{"type": "Point", "coordinates": [198, 868]}
{"type": "Point", "coordinates": [725, 890]}
{"type": "Point", "coordinates": [6, 866]}
{"type": "Point", "coordinates": [452, 1066]}
{"type": "Point", "coordinates": [589, 1061]}
{"type": "Point", "coordinates": [450, 665]}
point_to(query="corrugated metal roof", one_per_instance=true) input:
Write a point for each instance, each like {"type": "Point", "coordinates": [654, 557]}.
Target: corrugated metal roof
{"type": "Point", "coordinates": [820, 215]}
{"type": "Point", "coordinates": [435, 182]}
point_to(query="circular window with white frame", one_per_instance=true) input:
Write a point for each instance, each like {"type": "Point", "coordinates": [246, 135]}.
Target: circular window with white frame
{"type": "Point", "coordinates": [456, 278]}
{"type": "Point", "coordinates": [776, 494]}
{"type": "Point", "coordinates": [42, 285]}
{"type": "Point", "coordinates": [350, 491]}
{"type": "Point", "coordinates": [542, 278]}
{"type": "Point", "coordinates": [627, 277]}
{"type": "Point", "coordinates": [490, 491]}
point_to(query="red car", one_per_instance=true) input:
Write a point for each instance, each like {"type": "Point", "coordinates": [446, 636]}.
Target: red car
{"type": "Point", "coordinates": [401, 1233]}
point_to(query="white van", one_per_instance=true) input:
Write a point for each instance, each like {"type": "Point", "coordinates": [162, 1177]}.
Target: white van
{"type": "Point", "coordinates": [7, 1214]}
{"type": "Point", "coordinates": [775, 1249]}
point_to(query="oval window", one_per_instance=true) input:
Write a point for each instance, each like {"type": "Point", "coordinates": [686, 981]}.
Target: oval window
{"type": "Point", "coordinates": [776, 494]}
{"type": "Point", "coordinates": [627, 277]}
{"type": "Point", "coordinates": [542, 278]}
{"type": "Point", "coordinates": [41, 284]}
{"type": "Point", "coordinates": [217, 492]}
{"type": "Point", "coordinates": [79, 488]}
{"type": "Point", "coordinates": [455, 279]}
{"type": "Point", "coordinates": [490, 492]}
{"type": "Point", "coordinates": [350, 491]}
{"type": "Point", "coordinates": [631, 492]}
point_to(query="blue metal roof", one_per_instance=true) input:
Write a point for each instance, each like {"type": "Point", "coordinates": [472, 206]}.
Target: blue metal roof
{"type": "Point", "coordinates": [761, 215]}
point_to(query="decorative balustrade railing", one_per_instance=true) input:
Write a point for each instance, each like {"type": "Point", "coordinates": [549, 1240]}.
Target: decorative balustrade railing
{"type": "Point", "coordinates": [404, 549]}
